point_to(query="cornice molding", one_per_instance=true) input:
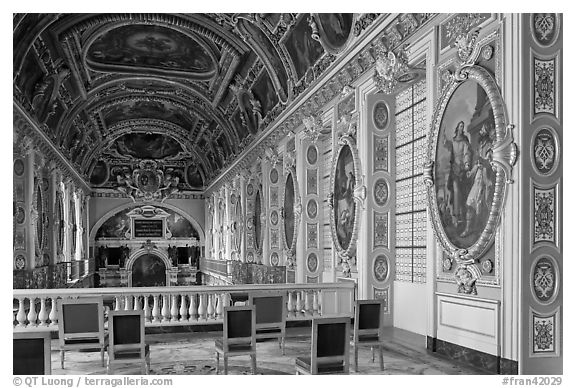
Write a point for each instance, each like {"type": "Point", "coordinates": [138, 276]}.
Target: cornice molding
{"type": "Point", "coordinates": [27, 126]}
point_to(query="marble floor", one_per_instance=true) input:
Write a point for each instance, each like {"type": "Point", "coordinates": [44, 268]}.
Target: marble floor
{"type": "Point", "coordinates": [193, 353]}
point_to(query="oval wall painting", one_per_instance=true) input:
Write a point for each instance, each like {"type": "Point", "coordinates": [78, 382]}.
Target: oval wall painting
{"type": "Point", "coordinates": [289, 211]}
{"type": "Point", "coordinates": [463, 176]}
{"type": "Point", "coordinates": [257, 220]}
{"type": "Point", "coordinates": [344, 205]}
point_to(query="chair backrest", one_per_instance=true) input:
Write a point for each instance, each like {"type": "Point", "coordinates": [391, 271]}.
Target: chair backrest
{"type": "Point", "coordinates": [330, 343]}
{"type": "Point", "coordinates": [271, 310]}
{"type": "Point", "coordinates": [239, 325]}
{"type": "Point", "coordinates": [31, 353]}
{"type": "Point", "coordinates": [126, 331]}
{"type": "Point", "coordinates": [81, 318]}
{"type": "Point", "coordinates": [369, 318]}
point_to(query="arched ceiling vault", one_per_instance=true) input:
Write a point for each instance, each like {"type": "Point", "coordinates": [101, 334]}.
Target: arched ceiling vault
{"type": "Point", "coordinates": [189, 91]}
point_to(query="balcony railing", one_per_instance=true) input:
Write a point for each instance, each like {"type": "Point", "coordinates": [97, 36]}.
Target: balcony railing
{"type": "Point", "coordinates": [183, 306]}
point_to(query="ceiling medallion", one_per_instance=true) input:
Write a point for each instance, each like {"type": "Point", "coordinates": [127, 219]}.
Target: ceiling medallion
{"type": "Point", "coordinates": [390, 68]}
{"type": "Point", "coordinates": [148, 182]}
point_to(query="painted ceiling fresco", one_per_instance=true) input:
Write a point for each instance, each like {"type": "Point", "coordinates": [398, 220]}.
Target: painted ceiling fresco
{"type": "Point", "coordinates": [189, 92]}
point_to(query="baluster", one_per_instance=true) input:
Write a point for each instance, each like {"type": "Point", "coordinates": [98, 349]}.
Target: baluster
{"type": "Point", "coordinates": [147, 317]}
{"type": "Point", "coordinates": [298, 303]}
{"type": "Point", "coordinates": [43, 315]}
{"type": "Point", "coordinates": [156, 309]}
{"type": "Point", "coordinates": [193, 309]}
{"type": "Point", "coordinates": [137, 305]}
{"type": "Point", "coordinates": [183, 308]}
{"type": "Point", "coordinates": [315, 308]}
{"type": "Point", "coordinates": [53, 311]}
{"type": "Point", "coordinates": [210, 309]}
{"type": "Point", "coordinates": [290, 304]}
{"type": "Point", "coordinates": [174, 309]}
{"type": "Point", "coordinates": [128, 302]}
{"type": "Point", "coordinates": [117, 303]}
{"type": "Point", "coordinates": [165, 308]}
{"type": "Point", "coordinates": [202, 308]}
{"type": "Point", "coordinates": [32, 313]}
{"type": "Point", "coordinates": [21, 316]}
{"type": "Point", "coordinates": [307, 304]}
{"type": "Point", "coordinates": [220, 305]}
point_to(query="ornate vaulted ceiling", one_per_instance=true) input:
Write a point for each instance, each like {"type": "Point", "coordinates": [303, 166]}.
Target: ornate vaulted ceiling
{"type": "Point", "coordinates": [187, 91]}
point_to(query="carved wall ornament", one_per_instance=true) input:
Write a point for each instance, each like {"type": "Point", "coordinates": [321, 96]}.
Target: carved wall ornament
{"type": "Point", "coordinates": [312, 235]}
{"type": "Point", "coordinates": [380, 153]}
{"type": "Point", "coordinates": [273, 176]}
{"type": "Point", "coordinates": [545, 98]}
{"type": "Point", "coordinates": [18, 167]}
{"type": "Point", "coordinates": [466, 196]}
{"type": "Point", "coordinates": [381, 192]}
{"type": "Point", "coordinates": [392, 68]}
{"type": "Point", "coordinates": [380, 238]}
{"type": "Point", "coordinates": [466, 276]}
{"type": "Point", "coordinates": [19, 262]}
{"type": "Point", "coordinates": [381, 268]}
{"type": "Point", "coordinates": [545, 279]}
{"type": "Point", "coordinates": [274, 259]}
{"type": "Point", "coordinates": [312, 155]}
{"type": "Point", "coordinates": [312, 262]}
{"type": "Point", "coordinates": [544, 333]}
{"type": "Point", "coordinates": [313, 127]}
{"type": "Point", "coordinates": [147, 182]}
{"type": "Point", "coordinates": [332, 30]}
{"type": "Point", "coordinates": [312, 208]}
{"type": "Point", "coordinates": [545, 152]}
{"type": "Point", "coordinates": [487, 266]}
{"type": "Point", "coordinates": [545, 28]}
{"type": "Point", "coordinates": [380, 115]}
{"type": "Point", "coordinates": [544, 216]}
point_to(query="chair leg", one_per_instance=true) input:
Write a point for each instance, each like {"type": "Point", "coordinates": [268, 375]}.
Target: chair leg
{"type": "Point", "coordinates": [62, 359]}
{"type": "Point", "coordinates": [102, 356]}
{"type": "Point", "coordinates": [253, 360]}
{"type": "Point", "coordinates": [217, 362]}
{"type": "Point", "coordinates": [356, 358]}
{"type": "Point", "coordinates": [381, 357]}
{"type": "Point", "coordinates": [372, 347]}
{"type": "Point", "coordinates": [283, 346]}
{"type": "Point", "coordinates": [225, 364]}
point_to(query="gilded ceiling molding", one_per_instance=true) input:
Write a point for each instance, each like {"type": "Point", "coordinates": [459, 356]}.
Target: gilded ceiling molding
{"type": "Point", "coordinates": [25, 125]}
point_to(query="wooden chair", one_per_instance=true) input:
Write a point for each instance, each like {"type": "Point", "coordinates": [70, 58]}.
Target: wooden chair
{"type": "Point", "coordinates": [271, 314]}
{"type": "Point", "coordinates": [127, 339]}
{"type": "Point", "coordinates": [330, 348]}
{"type": "Point", "coordinates": [239, 336]}
{"type": "Point", "coordinates": [31, 353]}
{"type": "Point", "coordinates": [369, 328]}
{"type": "Point", "coordinates": [81, 325]}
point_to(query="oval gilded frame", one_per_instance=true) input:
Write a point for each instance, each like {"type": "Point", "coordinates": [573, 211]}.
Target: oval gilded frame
{"type": "Point", "coordinates": [350, 250]}
{"type": "Point", "coordinates": [291, 249]}
{"type": "Point", "coordinates": [257, 220]}
{"type": "Point", "coordinates": [504, 154]}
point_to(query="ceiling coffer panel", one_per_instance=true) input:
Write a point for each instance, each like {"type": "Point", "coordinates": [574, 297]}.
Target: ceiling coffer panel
{"type": "Point", "coordinates": [150, 49]}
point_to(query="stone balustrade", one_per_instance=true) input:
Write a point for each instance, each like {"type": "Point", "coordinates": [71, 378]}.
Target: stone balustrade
{"type": "Point", "coordinates": [182, 306]}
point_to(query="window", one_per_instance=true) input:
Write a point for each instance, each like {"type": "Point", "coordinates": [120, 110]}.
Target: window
{"type": "Point", "coordinates": [410, 150]}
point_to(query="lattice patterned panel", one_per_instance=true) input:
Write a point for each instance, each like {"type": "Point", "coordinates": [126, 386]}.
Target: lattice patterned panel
{"type": "Point", "coordinates": [404, 132]}
{"type": "Point", "coordinates": [419, 219]}
{"type": "Point", "coordinates": [420, 120]}
{"type": "Point", "coordinates": [419, 265]}
{"type": "Point", "coordinates": [404, 264]}
{"type": "Point", "coordinates": [404, 162]}
{"type": "Point", "coordinates": [403, 99]}
{"type": "Point", "coordinates": [419, 91]}
{"type": "Point", "coordinates": [419, 194]}
{"type": "Point", "coordinates": [419, 155]}
{"type": "Point", "coordinates": [404, 230]}
{"type": "Point", "coordinates": [325, 170]}
{"type": "Point", "coordinates": [404, 196]}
